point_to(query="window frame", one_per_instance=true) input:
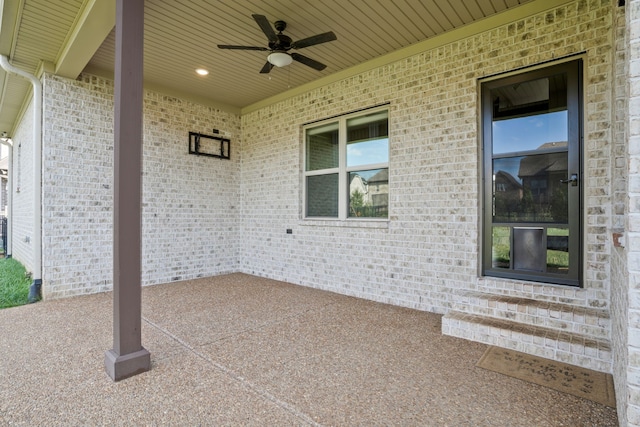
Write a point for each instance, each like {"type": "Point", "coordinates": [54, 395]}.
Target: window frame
{"type": "Point", "coordinates": [575, 87]}
{"type": "Point", "coordinates": [342, 169]}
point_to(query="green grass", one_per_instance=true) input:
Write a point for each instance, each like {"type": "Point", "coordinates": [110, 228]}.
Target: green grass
{"type": "Point", "coordinates": [557, 261]}
{"type": "Point", "coordinates": [14, 283]}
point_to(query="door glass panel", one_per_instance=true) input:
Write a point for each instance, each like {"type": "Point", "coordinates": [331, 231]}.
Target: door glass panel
{"type": "Point", "coordinates": [558, 250]}
{"type": "Point", "coordinates": [529, 188]}
{"type": "Point", "coordinates": [501, 247]}
{"type": "Point", "coordinates": [530, 133]}
{"type": "Point", "coordinates": [530, 115]}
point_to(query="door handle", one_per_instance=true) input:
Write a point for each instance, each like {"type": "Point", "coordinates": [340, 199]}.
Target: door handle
{"type": "Point", "coordinates": [573, 180]}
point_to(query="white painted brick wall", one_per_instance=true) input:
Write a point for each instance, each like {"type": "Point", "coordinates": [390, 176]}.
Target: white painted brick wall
{"type": "Point", "coordinates": [190, 203]}
{"type": "Point", "coordinates": [629, 361]}
{"type": "Point", "coordinates": [619, 269]}
{"type": "Point", "coordinates": [429, 251]}
{"type": "Point", "coordinates": [77, 187]}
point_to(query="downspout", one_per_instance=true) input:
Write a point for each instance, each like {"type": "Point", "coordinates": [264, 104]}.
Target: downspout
{"type": "Point", "coordinates": [35, 290]}
{"type": "Point", "coordinates": [9, 237]}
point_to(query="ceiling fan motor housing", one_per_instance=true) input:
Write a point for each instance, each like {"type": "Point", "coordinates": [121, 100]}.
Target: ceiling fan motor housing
{"type": "Point", "coordinates": [284, 42]}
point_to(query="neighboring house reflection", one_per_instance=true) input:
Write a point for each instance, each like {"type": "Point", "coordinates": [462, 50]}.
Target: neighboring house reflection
{"type": "Point", "coordinates": [537, 193]}
{"type": "Point", "coordinates": [369, 197]}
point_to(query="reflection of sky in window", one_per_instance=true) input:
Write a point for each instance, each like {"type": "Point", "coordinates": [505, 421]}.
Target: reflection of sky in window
{"type": "Point", "coordinates": [529, 133]}
{"type": "Point", "coordinates": [366, 175]}
{"type": "Point", "coordinates": [509, 165]}
{"type": "Point", "coordinates": [368, 152]}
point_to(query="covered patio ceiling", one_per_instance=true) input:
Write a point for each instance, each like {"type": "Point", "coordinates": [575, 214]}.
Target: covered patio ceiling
{"type": "Point", "coordinates": [66, 37]}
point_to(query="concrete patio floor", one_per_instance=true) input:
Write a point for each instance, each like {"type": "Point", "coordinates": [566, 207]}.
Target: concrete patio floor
{"type": "Point", "coordinates": [243, 350]}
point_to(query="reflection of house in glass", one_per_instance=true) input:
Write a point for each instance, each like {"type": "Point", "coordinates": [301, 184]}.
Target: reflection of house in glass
{"type": "Point", "coordinates": [369, 197]}
{"type": "Point", "coordinates": [508, 192]}
{"type": "Point", "coordinates": [541, 174]}
{"type": "Point", "coordinates": [537, 194]}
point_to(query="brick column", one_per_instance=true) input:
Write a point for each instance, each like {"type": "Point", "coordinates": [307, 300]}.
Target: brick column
{"type": "Point", "coordinates": [128, 357]}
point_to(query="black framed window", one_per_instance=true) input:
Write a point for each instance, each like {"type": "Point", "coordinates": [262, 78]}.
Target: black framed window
{"type": "Point", "coordinates": [532, 175]}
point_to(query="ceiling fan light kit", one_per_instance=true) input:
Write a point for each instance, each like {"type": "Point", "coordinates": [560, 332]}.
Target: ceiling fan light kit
{"type": "Point", "coordinates": [280, 44]}
{"type": "Point", "coordinates": [280, 59]}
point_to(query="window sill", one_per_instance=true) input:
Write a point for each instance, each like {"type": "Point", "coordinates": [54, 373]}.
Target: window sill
{"type": "Point", "coordinates": [348, 223]}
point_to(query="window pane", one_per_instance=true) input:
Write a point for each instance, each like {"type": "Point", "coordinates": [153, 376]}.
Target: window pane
{"type": "Point", "coordinates": [322, 195]}
{"type": "Point", "coordinates": [528, 188]}
{"type": "Point", "coordinates": [558, 250]}
{"type": "Point", "coordinates": [367, 139]}
{"type": "Point", "coordinates": [322, 147]}
{"type": "Point", "coordinates": [530, 115]}
{"type": "Point", "coordinates": [369, 193]}
{"type": "Point", "coordinates": [530, 133]}
{"type": "Point", "coordinates": [501, 247]}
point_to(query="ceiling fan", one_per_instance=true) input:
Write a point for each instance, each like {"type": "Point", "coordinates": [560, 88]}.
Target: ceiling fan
{"type": "Point", "coordinates": [280, 45]}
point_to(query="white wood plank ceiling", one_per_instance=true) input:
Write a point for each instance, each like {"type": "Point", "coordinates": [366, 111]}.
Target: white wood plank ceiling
{"type": "Point", "coordinates": [182, 35]}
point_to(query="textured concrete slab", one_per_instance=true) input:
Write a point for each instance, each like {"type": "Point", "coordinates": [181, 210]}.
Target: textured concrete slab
{"type": "Point", "coordinates": [242, 350]}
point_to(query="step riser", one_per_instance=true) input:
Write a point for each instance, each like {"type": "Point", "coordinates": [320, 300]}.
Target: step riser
{"type": "Point", "coordinates": [591, 326]}
{"type": "Point", "coordinates": [566, 348]}
{"type": "Point", "coordinates": [588, 324]}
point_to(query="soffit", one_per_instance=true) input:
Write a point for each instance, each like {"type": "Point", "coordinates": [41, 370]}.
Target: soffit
{"type": "Point", "coordinates": [181, 36]}
{"type": "Point", "coordinates": [57, 35]}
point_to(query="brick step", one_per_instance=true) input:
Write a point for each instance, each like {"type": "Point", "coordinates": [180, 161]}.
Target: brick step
{"type": "Point", "coordinates": [569, 347]}
{"type": "Point", "coordinates": [589, 322]}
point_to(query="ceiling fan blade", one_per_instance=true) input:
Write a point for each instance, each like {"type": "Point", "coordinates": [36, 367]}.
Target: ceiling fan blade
{"type": "Point", "coordinates": [313, 40]}
{"type": "Point", "coordinates": [308, 61]}
{"type": "Point", "coordinates": [267, 67]}
{"type": "Point", "coordinates": [266, 28]}
{"type": "Point", "coordinates": [228, 46]}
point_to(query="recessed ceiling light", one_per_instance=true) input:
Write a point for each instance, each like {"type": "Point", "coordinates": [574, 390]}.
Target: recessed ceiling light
{"type": "Point", "coordinates": [202, 71]}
